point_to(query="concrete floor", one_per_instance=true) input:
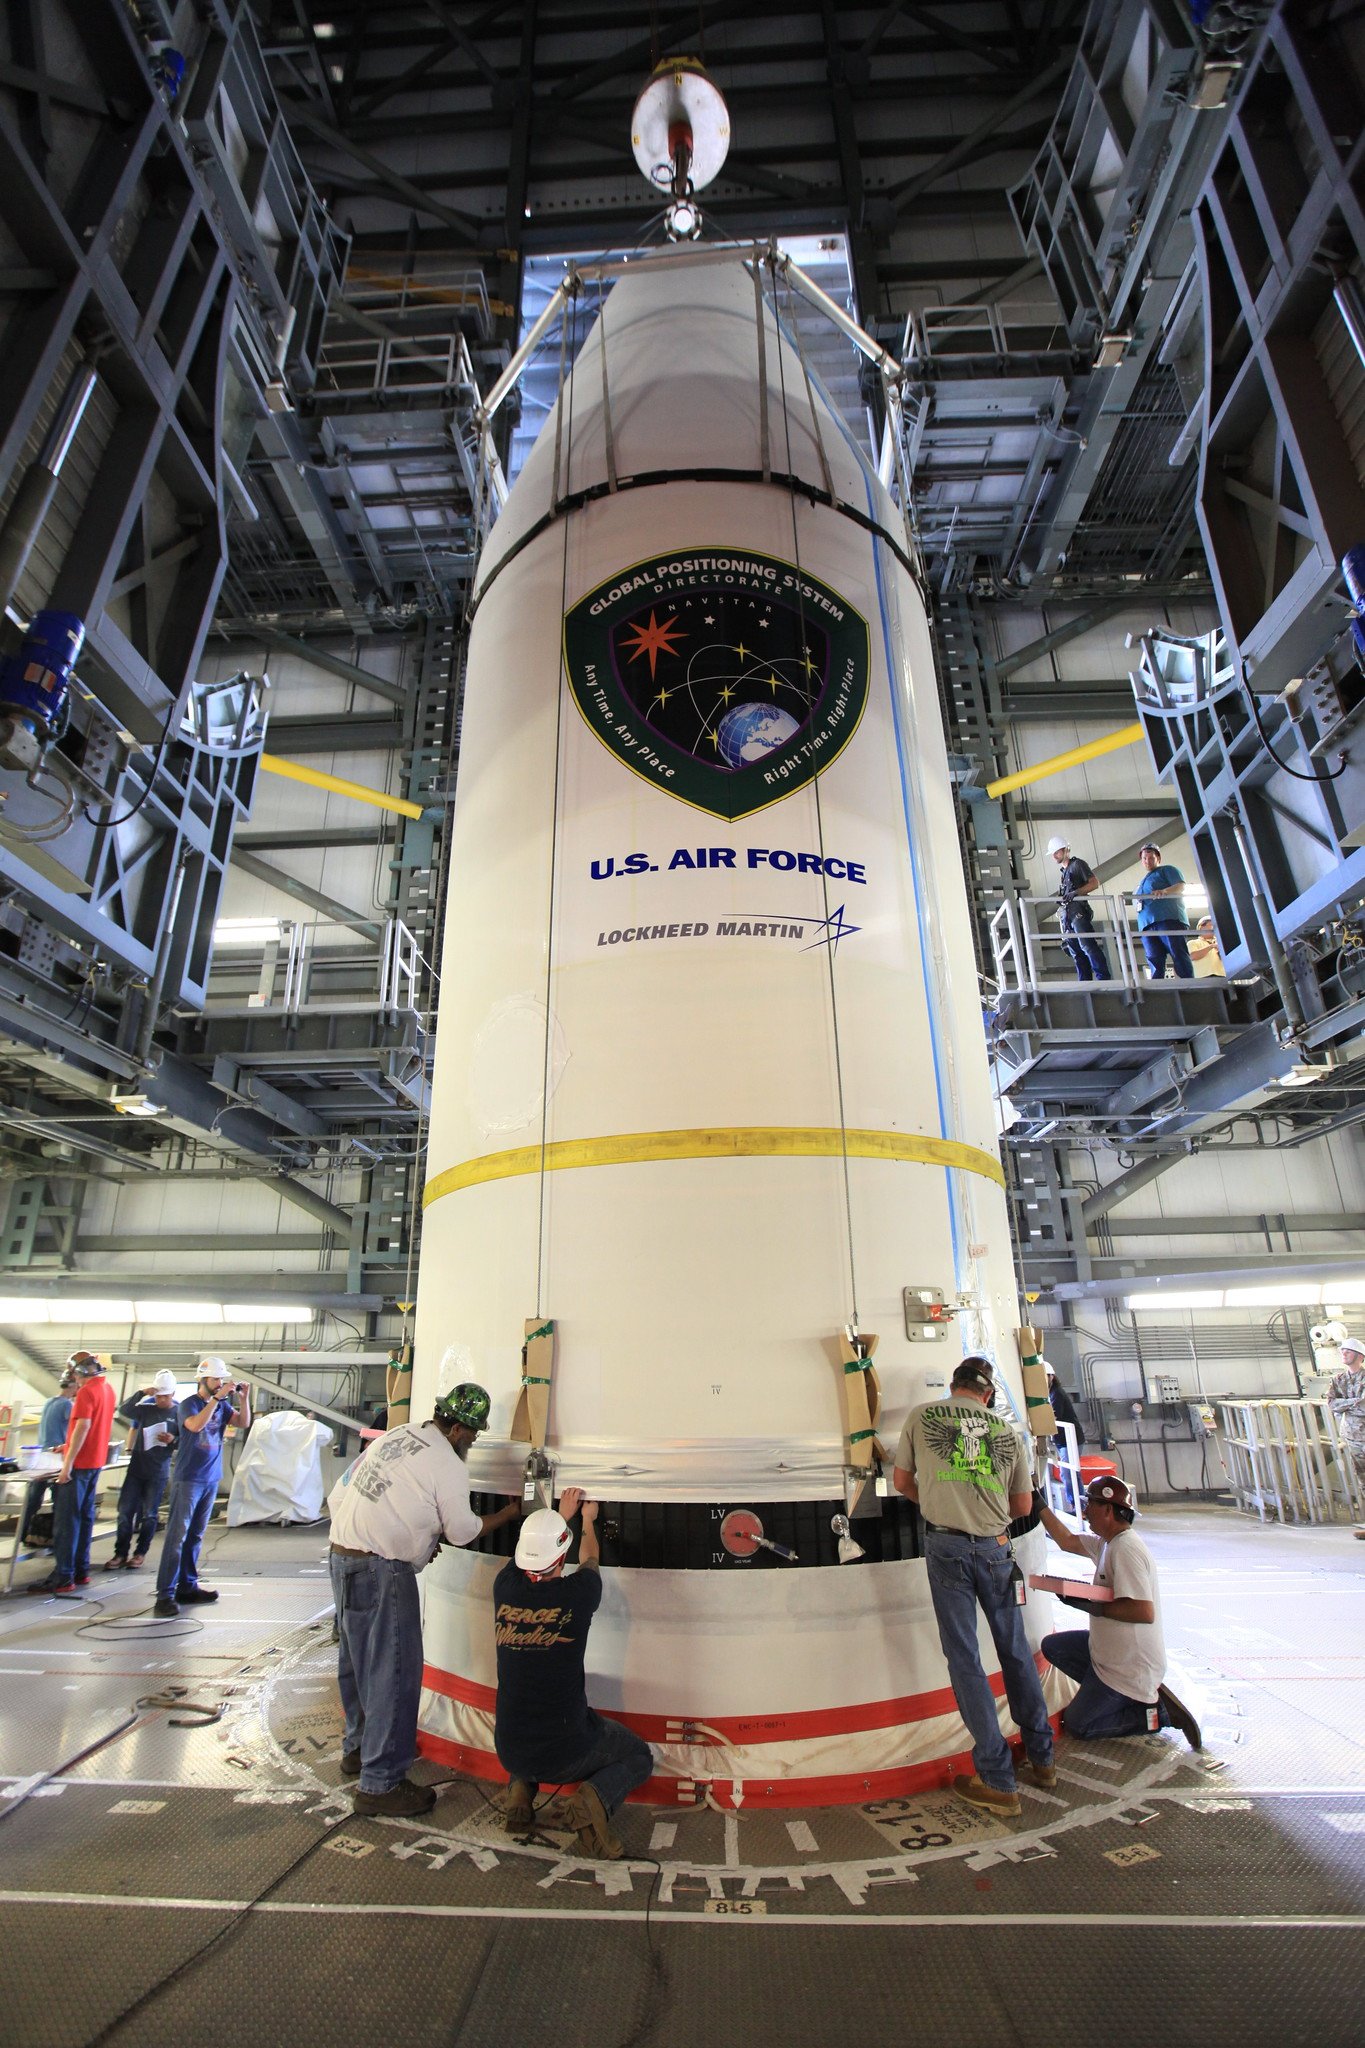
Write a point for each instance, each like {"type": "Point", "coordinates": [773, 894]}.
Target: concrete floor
{"type": "Point", "coordinates": [208, 1884]}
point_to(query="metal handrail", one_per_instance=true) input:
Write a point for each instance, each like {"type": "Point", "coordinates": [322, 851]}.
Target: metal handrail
{"type": "Point", "coordinates": [1018, 941]}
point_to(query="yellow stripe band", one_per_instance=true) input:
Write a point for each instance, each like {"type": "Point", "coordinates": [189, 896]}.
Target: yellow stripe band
{"type": "Point", "coordinates": [632, 1148]}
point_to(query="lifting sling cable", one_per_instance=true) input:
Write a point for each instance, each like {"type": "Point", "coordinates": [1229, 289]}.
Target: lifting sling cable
{"type": "Point", "coordinates": [819, 815]}
{"type": "Point", "coordinates": [571, 313]}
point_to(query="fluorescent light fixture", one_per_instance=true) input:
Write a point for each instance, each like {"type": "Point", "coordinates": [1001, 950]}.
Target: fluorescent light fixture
{"type": "Point", "coordinates": [15, 1309]}
{"type": "Point", "coordinates": [266, 1312]}
{"type": "Point", "coordinates": [1288, 1294]}
{"type": "Point", "coordinates": [178, 1311]}
{"type": "Point", "coordinates": [246, 931]}
{"type": "Point", "coordinates": [1148, 1304]}
{"type": "Point", "coordinates": [93, 1311]}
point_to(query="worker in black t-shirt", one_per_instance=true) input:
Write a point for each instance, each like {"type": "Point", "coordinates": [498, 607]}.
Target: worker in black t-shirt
{"type": "Point", "coordinates": [1077, 918]}
{"type": "Point", "coordinates": [545, 1732]}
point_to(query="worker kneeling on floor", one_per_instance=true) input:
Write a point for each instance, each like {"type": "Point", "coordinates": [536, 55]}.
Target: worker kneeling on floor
{"type": "Point", "coordinates": [545, 1732]}
{"type": "Point", "coordinates": [391, 1512]}
{"type": "Point", "coordinates": [1120, 1665]}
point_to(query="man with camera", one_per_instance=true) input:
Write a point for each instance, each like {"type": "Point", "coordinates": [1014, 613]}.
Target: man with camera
{"type": "Point", "coordinates": [194, 1483]}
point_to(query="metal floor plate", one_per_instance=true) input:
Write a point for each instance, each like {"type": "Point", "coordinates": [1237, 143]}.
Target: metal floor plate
{"type": "Point", "coordinates": [210, 1884]}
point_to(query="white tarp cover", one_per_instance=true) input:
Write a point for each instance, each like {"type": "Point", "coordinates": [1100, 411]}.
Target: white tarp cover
{"type": "Point", "coordinates": [279, 1474]}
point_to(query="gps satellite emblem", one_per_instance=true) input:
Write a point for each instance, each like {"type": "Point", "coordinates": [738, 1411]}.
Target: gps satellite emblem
{"type": "Point", "coordinates": [725, 678]}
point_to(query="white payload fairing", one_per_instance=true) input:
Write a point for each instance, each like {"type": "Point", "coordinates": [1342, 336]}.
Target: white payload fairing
{"type": "Point", "coordinates": [711, 1082]}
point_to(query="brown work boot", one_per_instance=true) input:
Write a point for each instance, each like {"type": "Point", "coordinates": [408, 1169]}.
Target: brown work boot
{"type": "Point", "coordinates": [587, 1816]}
{"type": "Point", "coordinates": [1179, 1716]}
{"type": "Point", "coordinates": [1044, 1775]}
{"type": "Point", "coordinates": [519, 1809]}
{"type": "Point", "coordinates": [987, 1796]}
{"type": "Point", "coordinates": [401, 1802]}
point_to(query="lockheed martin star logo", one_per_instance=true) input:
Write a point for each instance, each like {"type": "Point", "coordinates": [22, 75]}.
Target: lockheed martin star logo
{"type": "Point", "coordinates": [727, 680]}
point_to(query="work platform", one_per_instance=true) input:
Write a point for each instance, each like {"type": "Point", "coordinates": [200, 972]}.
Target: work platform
{"type": "Point", "coordinates": [1123, 1051]}
{"type": "Point", "coordinates": [188, 1885]}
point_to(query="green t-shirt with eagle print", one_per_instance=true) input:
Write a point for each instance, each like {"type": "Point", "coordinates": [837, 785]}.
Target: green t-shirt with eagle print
{"type": "Point", "coordinates": [967, 1461]}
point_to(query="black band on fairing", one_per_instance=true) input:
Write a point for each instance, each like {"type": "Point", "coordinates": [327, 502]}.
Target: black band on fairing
{"type": "Point", "coordinates": [685, 1535]}
{"type": "Point", "coordinates": [783, 480]}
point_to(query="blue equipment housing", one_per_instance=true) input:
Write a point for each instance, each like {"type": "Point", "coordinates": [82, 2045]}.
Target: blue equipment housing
{"type": "Point", "coordinates": [35, 682]}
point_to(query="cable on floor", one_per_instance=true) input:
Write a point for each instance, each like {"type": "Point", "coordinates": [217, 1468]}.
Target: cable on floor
{"type": "Point", "coordinates": [661, 1986]}
{"type": "Point", "coordinates": [181, 1969]}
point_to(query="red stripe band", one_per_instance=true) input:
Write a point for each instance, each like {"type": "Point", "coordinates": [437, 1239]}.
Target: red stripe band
{"type": "Point", "coordinates": [853, 1789]}
{"type": "Point", "coordinates": [747, 1728]}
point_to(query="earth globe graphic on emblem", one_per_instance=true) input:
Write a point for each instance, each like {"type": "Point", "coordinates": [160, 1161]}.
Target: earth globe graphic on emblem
{"type": "Point", "coordinates": [748, 732]}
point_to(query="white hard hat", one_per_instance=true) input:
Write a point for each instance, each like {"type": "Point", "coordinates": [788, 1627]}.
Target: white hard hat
{"type": "Point", "coordinates": [543, 1540]}
{"type": "Point", "coordinates": [213, 1369]}
{"type": "Point", "coordinates": [1355, 1344]}
{"type": "Point", "coordinates": [165, 1382]}
{"type": "Point", "coordinates": [1056, 845]}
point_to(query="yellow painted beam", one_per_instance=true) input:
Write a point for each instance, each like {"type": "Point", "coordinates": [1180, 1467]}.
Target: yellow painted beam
{"type": "Point", "coordinates": [1127, 736]}
{"type": "Point", "coordinates": [632, 1147]}
{"type": "Point", "coordinates": [316, 778]}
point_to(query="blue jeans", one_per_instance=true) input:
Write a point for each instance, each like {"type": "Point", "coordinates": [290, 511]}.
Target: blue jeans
{"type": "Point", "coordinates": [33, 1502]}
{"type": "Point", "coordinates": [1097, 1709]}
{"type": "Point", "coordinates": [966, 1572]}
{"type": "Point", "coordinates": [1173, 941]}
{"type": "Point", "coordinates": [73, 1524]}
{"type": "Point", "coordinates": [139, 1498]}
{"type": "Point", "coordinates": [1089, 957]}
{"type": "Point", "coordinates": [379, 1664]}
{"type": "Point", "coordinates": [614, 1762]}
{"type": "Point", "coordinates": [187, 1517]}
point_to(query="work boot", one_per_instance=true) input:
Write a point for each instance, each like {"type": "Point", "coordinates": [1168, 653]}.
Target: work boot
{"type": "Point", "coordinates": [139, 1559]}
{"type": "Point", "coordinates": [400, 1802]}
{"type": "Point", "coordinates": [166, 1609]}
{"type": "Point", "coordinates": [988, 1797]}
{"type": "Point", "coordinates": [1179, 1716]}
{"type": "Point", "coordinates": [1044, 1775]}
{"type": "Point", "coordinates": [196, 1596]}
{"type": "Point", "coordinates": [519, 1809]}
{"type": "Point", "coordinates": [116, 1564]}
{"type": "Point", "coordinates": [587, 1816]}
{"type": "Point", "coordinates": [350, 1763]}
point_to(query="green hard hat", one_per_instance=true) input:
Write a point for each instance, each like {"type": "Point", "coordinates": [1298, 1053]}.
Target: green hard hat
{"type": "Point", "coordinates": [467, 1404]}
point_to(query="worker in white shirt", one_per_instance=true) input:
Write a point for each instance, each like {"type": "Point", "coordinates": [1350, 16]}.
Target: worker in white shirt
{"type": "Point", "coordinates": [391, 1511]}
{"type": "Point", "coordinates": [1120, 1665]}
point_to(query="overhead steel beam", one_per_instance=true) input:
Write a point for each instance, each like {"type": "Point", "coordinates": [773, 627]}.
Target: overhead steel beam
{"type": "Point", "coordinates": [992, 133]}
{"type": "Point", "coordinates": [1118, 1191]}
{"type": "Point", "coordinates": [316, 899]}
{"type": "Point", "coordinates": [1060, 636]}
{"type": "Point", "coordinates": [313, 841]}
{"type": "Point", "coordinates": [340, 1221]}
{"type": "Point", "coordinates": [335, 733]}
{"type": "Point", "coordinates": [331, 664]}
{"type": "Point", "coordinates": [1184, 1275]}
{"type": "Point", "coordinates": [302, 117]}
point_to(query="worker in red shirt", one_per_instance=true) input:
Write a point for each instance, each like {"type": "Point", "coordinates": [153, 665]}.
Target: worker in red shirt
{"type": "Point", "coordinates": [84, 1455]}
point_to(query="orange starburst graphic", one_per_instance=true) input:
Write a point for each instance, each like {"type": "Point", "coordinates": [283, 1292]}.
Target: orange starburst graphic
{"type": "Point", "coordinates": [653, 640]}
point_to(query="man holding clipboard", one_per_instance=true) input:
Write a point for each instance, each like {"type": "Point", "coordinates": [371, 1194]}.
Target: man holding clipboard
{"type": "Point", "coordinates": [154, 1436]}
{"type": "Point", "coordinates": [1120, 1665]}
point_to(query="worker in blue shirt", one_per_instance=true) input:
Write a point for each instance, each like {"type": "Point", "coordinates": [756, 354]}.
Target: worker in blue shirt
{"type": "Point", "coordinates": [52, 1428]}
{"type": "Point", "coordinates": [1163, 921]}
{"type": "Point", "coordinates": [194, 1483]}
